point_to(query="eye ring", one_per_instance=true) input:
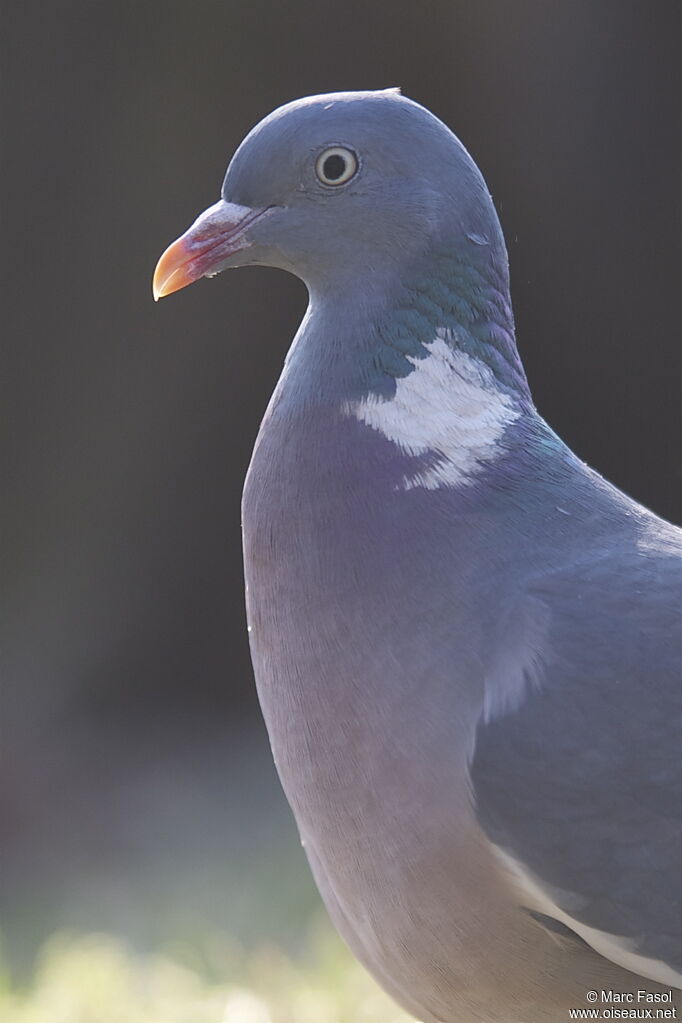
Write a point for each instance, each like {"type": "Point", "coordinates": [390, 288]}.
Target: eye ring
{"type": "Point", "coordinates": [336, 165]}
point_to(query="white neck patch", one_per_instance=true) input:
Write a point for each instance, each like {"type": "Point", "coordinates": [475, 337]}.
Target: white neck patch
{"type": "Point", "coordinates": [449, 406]}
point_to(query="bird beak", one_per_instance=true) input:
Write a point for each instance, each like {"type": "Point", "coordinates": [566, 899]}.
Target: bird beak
{"type": "Point", "coordinates": [219, 233]}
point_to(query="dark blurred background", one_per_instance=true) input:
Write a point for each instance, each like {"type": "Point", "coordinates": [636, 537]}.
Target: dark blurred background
{"type": "Point", "coordinates": [136, 787]}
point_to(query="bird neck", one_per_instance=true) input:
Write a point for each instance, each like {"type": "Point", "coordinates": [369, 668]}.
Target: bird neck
{"type": "Point", "coordinates": [466, 295]}
{"type": "Point", "coordinates": [363, 337]}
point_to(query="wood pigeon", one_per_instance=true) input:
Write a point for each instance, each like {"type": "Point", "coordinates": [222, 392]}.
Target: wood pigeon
{"type": "Point", "coordinates": [467, 644]}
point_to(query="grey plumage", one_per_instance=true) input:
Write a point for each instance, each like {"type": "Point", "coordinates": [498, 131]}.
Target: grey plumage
{"type": "Point", "coordinates": [467, 644]}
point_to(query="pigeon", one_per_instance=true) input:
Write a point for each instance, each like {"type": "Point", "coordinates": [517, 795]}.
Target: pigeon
{"type": "Point", "coordinates": [467, 644]}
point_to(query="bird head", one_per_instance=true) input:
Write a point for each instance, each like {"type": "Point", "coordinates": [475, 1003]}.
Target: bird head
{"type": "Point", "coordinates": [338, 187]}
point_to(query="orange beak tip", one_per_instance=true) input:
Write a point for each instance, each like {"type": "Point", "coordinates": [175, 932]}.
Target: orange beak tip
{"type": "Point", "coordinates": [171, 273]}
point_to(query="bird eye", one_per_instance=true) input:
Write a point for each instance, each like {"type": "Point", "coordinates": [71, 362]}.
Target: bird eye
{"type": "Point", "coordinates": [336, 165]}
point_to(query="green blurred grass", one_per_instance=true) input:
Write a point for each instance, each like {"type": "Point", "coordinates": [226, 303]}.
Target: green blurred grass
{"type": "Point", "coordinates": [172, 882]}
{"type": "Point", "coordinates": [98, 978]}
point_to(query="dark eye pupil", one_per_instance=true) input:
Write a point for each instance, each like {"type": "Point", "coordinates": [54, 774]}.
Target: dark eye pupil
{"type": "Point", "coordinates": [334, 167]}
